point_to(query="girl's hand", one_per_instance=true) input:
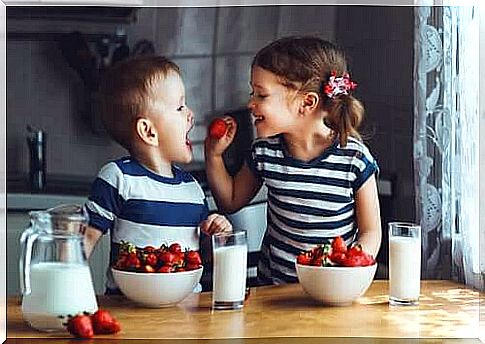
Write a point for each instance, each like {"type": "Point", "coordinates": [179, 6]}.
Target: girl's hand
{"type": "Point", "coordinates": [214, 146]}
{"type": "Point", "coordinates": [215, 223]}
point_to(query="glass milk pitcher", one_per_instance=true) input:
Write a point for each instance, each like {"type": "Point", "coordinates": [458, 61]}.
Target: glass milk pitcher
{"type": "Point", "coordinates": [54, 274]}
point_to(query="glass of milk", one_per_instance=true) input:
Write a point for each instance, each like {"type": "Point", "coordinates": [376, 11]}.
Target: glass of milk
{"type": "Point", "coordinates": [404, 263]}
{"type": "Point", "coordinates": [230, 253]}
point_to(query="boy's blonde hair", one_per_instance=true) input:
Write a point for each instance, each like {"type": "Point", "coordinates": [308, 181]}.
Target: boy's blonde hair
{"type": "Point", "coordinates": [304, 64]}
{"type": "Point", "coordinates": [125, 91]}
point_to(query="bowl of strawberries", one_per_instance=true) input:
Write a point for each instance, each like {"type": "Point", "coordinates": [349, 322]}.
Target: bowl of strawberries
{"type": "Point", "coordinates": [157, 277]}
{"type": "Point", "coordinates": [335, 274]}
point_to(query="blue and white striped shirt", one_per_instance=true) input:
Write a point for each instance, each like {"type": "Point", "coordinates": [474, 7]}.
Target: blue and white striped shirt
{"type": "Point", "coordinates": [309, 203]}
{"type": "Point", "coordinates": [144, 208]}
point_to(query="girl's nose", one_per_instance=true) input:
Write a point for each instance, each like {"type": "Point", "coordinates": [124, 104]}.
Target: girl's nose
{"type": "Point", "coordinates": [250, 104]}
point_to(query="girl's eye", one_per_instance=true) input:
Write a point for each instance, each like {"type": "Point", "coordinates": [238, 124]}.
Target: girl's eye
{"type": "Point", "coordinates": [181, 108]}
{"type": "Point", "coordinates": [261, 96]}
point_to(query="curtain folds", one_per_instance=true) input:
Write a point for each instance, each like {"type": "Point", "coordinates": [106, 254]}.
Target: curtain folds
{"type": "Point", "coordinates": [446, 141]}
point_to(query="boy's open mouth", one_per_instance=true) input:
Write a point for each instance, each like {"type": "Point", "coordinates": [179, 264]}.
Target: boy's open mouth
{"type": "Point", "coordinates": [188, 142]}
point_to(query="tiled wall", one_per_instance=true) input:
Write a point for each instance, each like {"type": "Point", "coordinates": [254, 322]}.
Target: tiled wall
{"type": "Point", "coordinates": [213, 46]}
{"type": "Point", "coordinates": [379, 44]}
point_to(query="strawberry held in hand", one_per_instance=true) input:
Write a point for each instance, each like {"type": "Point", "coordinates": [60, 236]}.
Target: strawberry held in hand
{"type": "Point", "coordinates": [217, 128]}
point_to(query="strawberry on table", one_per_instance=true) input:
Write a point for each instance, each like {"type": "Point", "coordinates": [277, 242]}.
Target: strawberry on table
{"type": "Point", "coordinates": [104, 323]}
{"type": "Point", "coordinates": [80, 326]}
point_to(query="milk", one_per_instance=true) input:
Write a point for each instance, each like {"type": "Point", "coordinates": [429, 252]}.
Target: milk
{"type": "Point", "coordinates": [57, 289]}
{"type": "Point", "coordinates": [404, 268]}
{"type": "Point", "coordinates": [229, 277]}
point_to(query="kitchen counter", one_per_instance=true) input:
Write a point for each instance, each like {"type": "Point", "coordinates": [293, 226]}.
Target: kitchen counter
{"type": "Point", "coordinates": [446, 310]}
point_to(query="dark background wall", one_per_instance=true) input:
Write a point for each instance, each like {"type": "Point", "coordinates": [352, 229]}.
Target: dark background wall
{"type": "Point", "coordinates": [214, 47]}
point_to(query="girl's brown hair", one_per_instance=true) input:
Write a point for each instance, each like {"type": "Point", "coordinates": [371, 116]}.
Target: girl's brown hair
{"type": "Point", "coordinates": [304, 64]}
{"type": "Point", "coordinates": [125, 91]}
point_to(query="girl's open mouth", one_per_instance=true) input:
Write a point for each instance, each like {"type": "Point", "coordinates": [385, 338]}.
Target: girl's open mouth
{"type": "Point", "coordinates": [257, 118]}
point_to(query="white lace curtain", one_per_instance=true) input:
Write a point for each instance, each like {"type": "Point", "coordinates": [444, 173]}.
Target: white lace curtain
{"type": "Point", "coordinates": [446, 141]}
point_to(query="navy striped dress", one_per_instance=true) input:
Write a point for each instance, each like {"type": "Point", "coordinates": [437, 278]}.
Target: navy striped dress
{"type": "Point", "coordinates": [136, 205]}
{"type": "Point", "coordinates": [309, 203]}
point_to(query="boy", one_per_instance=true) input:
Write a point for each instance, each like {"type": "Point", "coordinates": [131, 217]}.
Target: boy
{"type": "Point", "coordinates": [145, 198]}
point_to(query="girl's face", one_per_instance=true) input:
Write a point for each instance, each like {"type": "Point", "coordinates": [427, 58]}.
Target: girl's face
{"type": "Point", "coordinates": [172, 118]}
{"type": "Point", "coordinates": [273, 107]}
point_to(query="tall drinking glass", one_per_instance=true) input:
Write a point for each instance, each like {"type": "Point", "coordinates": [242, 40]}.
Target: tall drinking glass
{"type": "Point", "coordinates": [230, 252]}
{"type": "Point", "coordinates": [404, 263]}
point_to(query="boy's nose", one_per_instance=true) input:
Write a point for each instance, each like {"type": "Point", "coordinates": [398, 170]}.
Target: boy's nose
{"type": "Point", "coordinates": [190, 117]}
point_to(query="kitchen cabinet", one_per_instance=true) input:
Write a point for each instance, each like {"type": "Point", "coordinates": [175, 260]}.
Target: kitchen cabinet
{"type": "Point", "coordinates": [447, 311]}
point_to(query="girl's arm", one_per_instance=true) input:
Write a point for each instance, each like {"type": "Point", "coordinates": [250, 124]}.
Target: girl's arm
{"type": "Point", "coordinates": [230, 192]}
{"type": "Point", "coordinates": [368, 217]}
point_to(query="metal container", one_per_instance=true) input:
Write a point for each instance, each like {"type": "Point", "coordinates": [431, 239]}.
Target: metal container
{"type": "Point", "coordinates": [36, 142]}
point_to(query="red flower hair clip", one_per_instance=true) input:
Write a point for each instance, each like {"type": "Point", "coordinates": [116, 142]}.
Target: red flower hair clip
{"type": "Point", "coordinates": [338, 85]}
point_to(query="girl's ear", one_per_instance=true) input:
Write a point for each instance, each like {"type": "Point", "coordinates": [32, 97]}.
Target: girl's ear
{"type": "Point", "coordinates": [146, 131]}
{"type": "Point", "coordinates": [309, 102]}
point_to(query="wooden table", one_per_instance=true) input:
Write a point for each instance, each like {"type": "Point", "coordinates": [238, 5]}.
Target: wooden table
{"type": "Point", "coordinates": [446, 310]}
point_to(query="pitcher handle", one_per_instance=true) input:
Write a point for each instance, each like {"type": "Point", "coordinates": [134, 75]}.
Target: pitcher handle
{"type": "Point", "coordinates": [26, 242]}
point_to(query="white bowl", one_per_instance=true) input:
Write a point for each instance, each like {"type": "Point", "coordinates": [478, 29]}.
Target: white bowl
{"type": "Point", "coordinates": [333, 285]}
{"type": "Point", "coordinates": [157, 290]}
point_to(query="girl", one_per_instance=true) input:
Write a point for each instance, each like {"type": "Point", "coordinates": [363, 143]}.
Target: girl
{"type": "Point", "coordinates": [320, 176]}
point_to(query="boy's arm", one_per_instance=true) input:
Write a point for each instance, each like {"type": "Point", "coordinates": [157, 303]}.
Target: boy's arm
{"type": "Point", "coordinates": [91, 237]}
{"type": "Point", "coordinates": [368, 217]}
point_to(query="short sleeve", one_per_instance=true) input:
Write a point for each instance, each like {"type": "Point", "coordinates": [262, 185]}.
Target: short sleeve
{"type": "Point", "coordinates": [252, 161]}
{"type": "Point", "coordinates": [105, 201]}
{"type": "Point", "coordinates": [365, 165]}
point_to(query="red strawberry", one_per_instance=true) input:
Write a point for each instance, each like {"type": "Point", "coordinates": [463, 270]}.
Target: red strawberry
{"type": "Point", "coordinates": [217, 128]}
{"type": "Point", "coordinates": [166, 269]}
{"type": "Point", "coordinates": [338, 245]}
{"type": "Point", "coordinates": [175, 248]}
{"type": "Point", "coordinates": [193, 258]}
{"type": "Point", "coordinates": [104, 323]}
{"type": "Point", "coordinates": [190, 267]}
{"type": "Point", "coordinates": [133, 261]}
{"type": "Point", "coordinates": [80, 326]}
{"type": "Point", "coordinates": [167, 258]}
{"type": "Point", "coordinates": [151, 259]}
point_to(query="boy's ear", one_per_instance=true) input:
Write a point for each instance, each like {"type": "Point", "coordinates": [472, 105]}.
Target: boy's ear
{"type": "Point", "coordinates": [309, 102]}
{"type": "Point", "coordinates": [146, 131]}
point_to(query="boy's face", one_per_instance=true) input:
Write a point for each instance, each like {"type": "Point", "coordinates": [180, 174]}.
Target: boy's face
{"type": "Point", "coordinates": [172, 118]}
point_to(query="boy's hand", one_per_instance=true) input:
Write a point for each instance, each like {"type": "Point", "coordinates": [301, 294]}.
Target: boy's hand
{"type": "Point", "coordinates": [216, 146]}
{"type": "Point", "coordinates": [215, 223]}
